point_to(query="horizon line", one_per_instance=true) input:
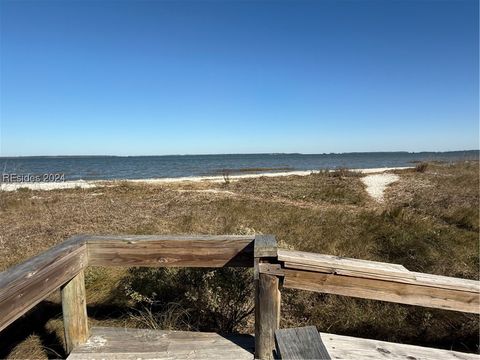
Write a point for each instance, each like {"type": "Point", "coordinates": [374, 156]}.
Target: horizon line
{"type": "Point", "coordinates": [230, 154]}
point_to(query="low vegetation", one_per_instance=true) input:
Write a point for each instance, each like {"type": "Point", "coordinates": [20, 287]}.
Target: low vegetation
{"type": "Point", "coordinates": [320, 188]}
{"type": "Point", "coordinates": [219, 299]}
{"type": "Point", "coordinates": [429, 222]}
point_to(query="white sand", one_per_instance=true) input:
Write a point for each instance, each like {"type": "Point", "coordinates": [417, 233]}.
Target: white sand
{"type": "Point", "coordinates": [48, 185]}
{"type": "Point", "coordinates": [211, 191]}
{"type": "Point", "coordinates": [377, 183]}
{"type": "Point", "coordinates": [247, 176]}
{"type": "Point", "coordinates": [381, 170]}
{"type": "Point", "coordinates": [94, 183]}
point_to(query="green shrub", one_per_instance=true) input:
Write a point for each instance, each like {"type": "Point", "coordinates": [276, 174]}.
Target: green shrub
{"type": "Point", "coordinates": [421, 168]}
{"type": "Point", "coordinates": [209, 299]}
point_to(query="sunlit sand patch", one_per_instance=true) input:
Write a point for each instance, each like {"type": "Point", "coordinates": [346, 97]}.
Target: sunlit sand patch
{"type": "Point", "coordinates": [377, 183]}
{"type": "Point", "coordinates": [47, 185]}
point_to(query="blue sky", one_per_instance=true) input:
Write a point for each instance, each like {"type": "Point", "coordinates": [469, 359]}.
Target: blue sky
{"type": "Point", "coordinates": [152, 78]}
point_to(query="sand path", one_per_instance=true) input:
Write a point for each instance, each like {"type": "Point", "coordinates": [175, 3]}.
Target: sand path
{"type": "Point", "coordinates": [377, 183]}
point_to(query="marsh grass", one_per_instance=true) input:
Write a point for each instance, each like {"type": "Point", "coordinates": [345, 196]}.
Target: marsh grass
{"type": "Point", "coordinates": [172, 317]}
{"type": "Point", "coordinates": [337, 187]}
{"type": "Point", "coordinates": [428, 223]}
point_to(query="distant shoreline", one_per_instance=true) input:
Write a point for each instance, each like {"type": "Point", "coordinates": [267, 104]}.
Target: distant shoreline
{"type": "Point", "coordinates": [83, 184]}
{"type": "Point", "coordinates": [11, 157]}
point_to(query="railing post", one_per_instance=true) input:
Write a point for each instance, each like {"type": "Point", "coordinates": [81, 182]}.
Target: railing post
{"type": "Point", "coordinates": [74, 307]}
{"type": "Point", "coordinates": [267, 298]}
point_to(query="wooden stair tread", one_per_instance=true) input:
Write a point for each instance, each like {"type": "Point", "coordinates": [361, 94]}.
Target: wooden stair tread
{"type": "Point", "coordinates": [123, 343]}
{"type": "Point", "coordinates": [300, 343]}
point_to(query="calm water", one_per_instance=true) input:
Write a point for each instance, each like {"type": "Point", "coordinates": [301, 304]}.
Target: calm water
{"type": "Point", "coordinates": [144, 167]}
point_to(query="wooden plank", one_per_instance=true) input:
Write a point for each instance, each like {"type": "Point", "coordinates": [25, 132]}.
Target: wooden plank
{"type": "Point", "coordinates": [267, 315]}
{"type": "Point", "coordinates": [371, 269]}
{"type": "Point", "coordinates": [265, 246]}
{"type": "Point", "coordinates": [447, 282]}
{"type": "Point", "coordinates": [300, 343]}
{"type": "Point", "coordinates": [122, 343]}
{"type": "Point", "coordinates": [315, 259]}
{"type": "Point", "coordinates": [74, 307]}
{"type": "Point", "coordinates": [343, 266]}
{"type": "Point", "coordinates": [415, 278]}
{"type": "Point", "coordinates": [25, 285]}
{"type": "Point", "coordinates": [406, 277]}
{"type": "Point", "coordinates": [93, 239]}
{"type": "Point", "coordinates": [421, 279]}
{"type": "Point", "coordinates": [383, 290]}
{"type": "Point", "coordinates": [347, 347]}
{"type": "Point", "coordinates": [171, 251]}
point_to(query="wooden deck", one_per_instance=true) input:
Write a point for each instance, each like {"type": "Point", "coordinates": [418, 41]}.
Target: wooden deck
{"type": "Point", "coordinates": [121, 343]}
{"type": "Point", "coordinates": [62, 267]}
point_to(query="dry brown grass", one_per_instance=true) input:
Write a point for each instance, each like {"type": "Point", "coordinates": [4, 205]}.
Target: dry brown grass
{"type": "Point", "coordinates": [338, 187]}
{"type": "Point", "coordinates": [429, 223]}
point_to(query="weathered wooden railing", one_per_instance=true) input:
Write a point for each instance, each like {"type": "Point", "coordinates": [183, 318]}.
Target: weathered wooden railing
{"type": "Point", "coordinates": [356, 278]}
{"type": "Point", "coordinates": [25, 285]}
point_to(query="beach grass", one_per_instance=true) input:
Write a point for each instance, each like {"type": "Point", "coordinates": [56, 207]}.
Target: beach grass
{"type": "Point", "coordinates": [428, 222]}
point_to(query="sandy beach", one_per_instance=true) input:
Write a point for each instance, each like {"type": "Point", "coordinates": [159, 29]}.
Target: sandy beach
{"type": "Point", "coordinates": [84, 184]}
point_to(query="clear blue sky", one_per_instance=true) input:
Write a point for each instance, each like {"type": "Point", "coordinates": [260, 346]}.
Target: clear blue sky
{"type": "Point", "coordinates": [152, 77]}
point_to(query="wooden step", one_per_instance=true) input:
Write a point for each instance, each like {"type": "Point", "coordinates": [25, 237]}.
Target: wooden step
{"type": "Point", "coordinates": [300, 343]}
{"type": "Point", "coordinates": [122, 343]}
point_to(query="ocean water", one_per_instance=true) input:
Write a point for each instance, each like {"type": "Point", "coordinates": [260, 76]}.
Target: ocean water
{"type": "Point", "coordinates": [146, 167]}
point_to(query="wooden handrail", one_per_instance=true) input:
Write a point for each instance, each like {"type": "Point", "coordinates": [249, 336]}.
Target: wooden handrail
{"type": "Point", "coordinates": [25, 285]}
{"type": "Point", "coordinates": [171, 250]}
{"type": "Point", "coordinates": [374, 280]}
